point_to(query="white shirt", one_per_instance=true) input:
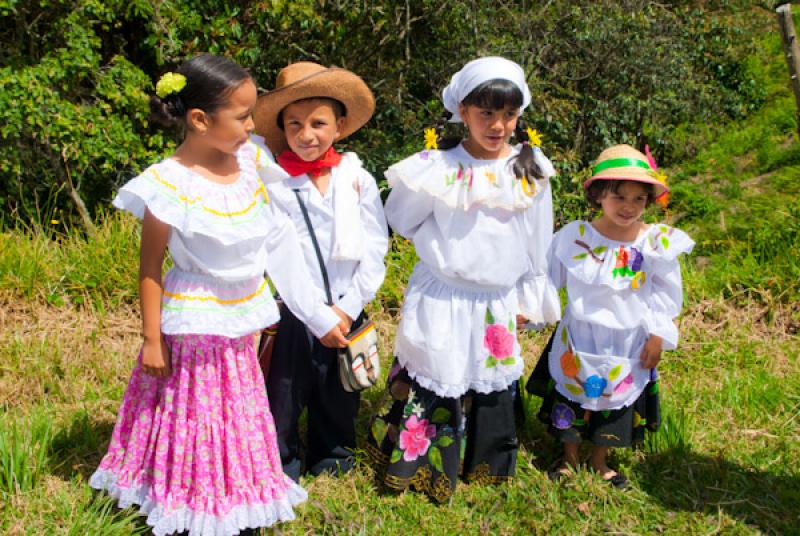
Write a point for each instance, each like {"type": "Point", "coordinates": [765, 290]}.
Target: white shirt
{"type": "Point", "coordinates": [619, 293]}
{"type": "Point", "coordinates": [353, 283]}
{"type": "Point", "coordinates": [222, 236]}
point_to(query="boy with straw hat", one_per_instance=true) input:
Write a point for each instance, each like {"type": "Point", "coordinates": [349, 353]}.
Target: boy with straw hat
{"type": "Point", "coordinates": [623, 279]}
{"type": "Point", "coordinates": [336, 208]}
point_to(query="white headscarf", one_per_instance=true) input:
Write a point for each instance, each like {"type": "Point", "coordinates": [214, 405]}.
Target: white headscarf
{"type": "Point", "coordinates": [476, 73]}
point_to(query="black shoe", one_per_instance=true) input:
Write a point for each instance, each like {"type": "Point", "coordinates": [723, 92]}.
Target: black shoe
{"type": "Point", "coordinates": [618, 481]}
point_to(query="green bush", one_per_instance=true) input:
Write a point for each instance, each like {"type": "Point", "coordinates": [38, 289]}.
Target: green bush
{"type": "Point", "coordinates": [76, 75]}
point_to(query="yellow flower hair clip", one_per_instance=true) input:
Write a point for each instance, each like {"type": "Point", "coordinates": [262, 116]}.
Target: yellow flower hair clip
{"type": "Point", "coordinates": [431, 139]}
{"type": "Point", "coordinates": [534, 138]}
{"type": "Point", "coordinates": [170, 83]}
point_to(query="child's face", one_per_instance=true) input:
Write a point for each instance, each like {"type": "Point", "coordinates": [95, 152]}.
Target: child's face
{"type": "Point", "coordinates": [229, 127]}
{"type": "Point", "coordinates": [625, 206]}
{"type": "Point", "coordinates": [489, 129]}
{"type": "Point", "coordinates": [311, 127]}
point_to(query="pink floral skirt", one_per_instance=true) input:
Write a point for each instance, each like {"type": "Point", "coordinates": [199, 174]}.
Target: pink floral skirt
{"type": "Point", "coordinates": [197, 451]}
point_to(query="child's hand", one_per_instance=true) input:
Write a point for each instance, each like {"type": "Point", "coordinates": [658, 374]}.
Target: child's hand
{"type": "Point", "coordinates": [334, 338]}
{"type": "Point", "coordinates": [521, 320]}
{"type": "Point", "coordinates": [155, 358]}
{"type": "Point", "coordinates": [346, 322]}
{"type": "Point", "coordinates": [651, 353]}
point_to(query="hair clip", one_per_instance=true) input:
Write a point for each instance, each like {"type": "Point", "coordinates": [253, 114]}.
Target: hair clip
{"type": "Point", "coordinates": [170, 83]}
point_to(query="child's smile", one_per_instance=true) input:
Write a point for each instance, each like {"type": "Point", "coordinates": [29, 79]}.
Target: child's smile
{"type": "Point", "coordinates": [311, 127]}
{"type": "Point", "coordinates": [624, 207]}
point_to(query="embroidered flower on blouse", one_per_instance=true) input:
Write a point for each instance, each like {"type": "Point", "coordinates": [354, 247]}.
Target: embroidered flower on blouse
{"type": "Point", "coordinates": [594, 386]}
{"type": "Point", "coordinates": [431, 139]}
{"type": "Point", "coordinates": [534, 138]}
{"type": "Point", "coordinates": [170, 83]}
{"type": "Point", "coordinates": [570, 364]}
{"type": "Point", "coordinates": [628, 263]}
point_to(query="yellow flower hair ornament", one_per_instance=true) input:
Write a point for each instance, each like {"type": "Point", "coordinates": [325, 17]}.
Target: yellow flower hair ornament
{"type": "Point", "coordinates": [431, 139]}
{"type": "Point", "coordinates": [170, 83]}
{"type": "Point", "coordinates": [534, 138]}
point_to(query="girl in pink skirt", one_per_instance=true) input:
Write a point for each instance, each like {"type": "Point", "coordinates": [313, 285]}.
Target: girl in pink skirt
{"type": "Point", "coordinates": [194, 444]}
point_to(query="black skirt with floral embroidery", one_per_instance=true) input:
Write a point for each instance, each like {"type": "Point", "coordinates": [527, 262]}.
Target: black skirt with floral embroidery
{"type": "Point", "coordinates": [425, 441]}
{"type": "Point", "coordinates": [570, 423]}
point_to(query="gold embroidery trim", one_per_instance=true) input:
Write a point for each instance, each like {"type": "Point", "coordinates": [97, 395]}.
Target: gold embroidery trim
{"type": "Point", "coordinates": [482, 475]}
{"type": "Point", "coordinates": [214, 299]}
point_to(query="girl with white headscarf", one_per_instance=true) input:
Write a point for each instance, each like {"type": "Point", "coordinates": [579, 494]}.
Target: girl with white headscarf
{"type": "Point", "coordinates": [479, 212]}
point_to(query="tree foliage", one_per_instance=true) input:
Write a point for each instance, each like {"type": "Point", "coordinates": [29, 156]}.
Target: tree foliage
{"type": "Point", "coordinates": [76, 74]}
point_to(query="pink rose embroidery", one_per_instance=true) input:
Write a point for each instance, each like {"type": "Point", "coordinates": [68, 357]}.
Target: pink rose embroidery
{"type": "Point", "coordinates": [499, 341]}
{"type": "Point", "coordinates": [416, 438]}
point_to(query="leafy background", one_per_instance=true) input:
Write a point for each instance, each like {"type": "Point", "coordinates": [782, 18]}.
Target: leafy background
{"type": "Point", "coordinates": [704, 83]}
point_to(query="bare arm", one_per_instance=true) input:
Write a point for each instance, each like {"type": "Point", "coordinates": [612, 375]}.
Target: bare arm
{"type": "Point", "coordinates": [155, 356]}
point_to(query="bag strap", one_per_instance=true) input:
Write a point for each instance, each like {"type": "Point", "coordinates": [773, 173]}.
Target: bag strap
{"type": "Point", "coordinates": [316, 246]}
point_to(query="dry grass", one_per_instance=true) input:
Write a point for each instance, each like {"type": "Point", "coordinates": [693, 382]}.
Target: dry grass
{"type": "Point", "coordinates": [75, 362]}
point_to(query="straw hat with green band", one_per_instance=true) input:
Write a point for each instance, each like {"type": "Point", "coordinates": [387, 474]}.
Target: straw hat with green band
{"type": "Point", "coordinates": [623, 162]}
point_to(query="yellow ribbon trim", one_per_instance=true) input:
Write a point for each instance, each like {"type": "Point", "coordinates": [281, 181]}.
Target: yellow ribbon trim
{"type": "Point", "coordinates": [260, 190]}
{"type": "Point", "coordinates": [214, 299]}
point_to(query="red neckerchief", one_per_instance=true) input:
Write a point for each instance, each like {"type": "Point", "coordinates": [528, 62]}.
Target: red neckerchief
{"type": "Point", "coordinates": [296, 166]}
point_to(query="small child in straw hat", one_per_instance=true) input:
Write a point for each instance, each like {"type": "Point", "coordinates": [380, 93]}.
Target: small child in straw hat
{"type": "Point", "coordinates": [598, 373]}
{"type": "Point", "coordinates": [336, 208]}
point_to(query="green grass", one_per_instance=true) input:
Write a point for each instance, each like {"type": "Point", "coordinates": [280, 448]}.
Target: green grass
{"type": "Point", "coordinates": [739, 196]}
{"type": "Point", "coordinates": [725, 461]}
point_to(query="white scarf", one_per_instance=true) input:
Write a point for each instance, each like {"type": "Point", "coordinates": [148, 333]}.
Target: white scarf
{"type": "Point", "coordinates": [476, 73]}
{"type": "Point", "coordinates": [348, 239]}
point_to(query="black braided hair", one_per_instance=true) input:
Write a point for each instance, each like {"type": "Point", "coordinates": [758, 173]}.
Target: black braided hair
{"type": "Point", "coordinates": [524, 164]}
{"type": "Point", "coordinates": [445, 142]}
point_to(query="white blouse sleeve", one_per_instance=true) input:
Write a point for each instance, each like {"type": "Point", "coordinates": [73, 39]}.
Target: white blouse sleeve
{"type": "Point", "coordinates": [666, 298]}
{"type": "Point", "coordinates": [371, 269]}
{"type": "Point", "coordinates": [288, 271]}
{"type": "Point", "coordinates": [268, 170]}
{"type": "Point", "coordinates": [538, 297]}
{"type": "Point", "coordinates": [406, 210]}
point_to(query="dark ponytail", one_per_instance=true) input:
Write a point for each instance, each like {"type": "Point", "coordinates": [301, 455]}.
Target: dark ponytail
{"type": "Point", "coordinates": [524, 164]}
{"type": "Point", "coordinates": [209, 81]}
{"type": "Point", "coordinates": [448, 142]}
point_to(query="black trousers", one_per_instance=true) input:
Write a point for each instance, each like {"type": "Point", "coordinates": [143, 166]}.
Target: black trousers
{"type": "Point", "coordinates": [304, 373]}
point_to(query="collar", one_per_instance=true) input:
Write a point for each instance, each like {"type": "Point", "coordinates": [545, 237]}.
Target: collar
{"type": "Point", "coordinates": [296, 166]}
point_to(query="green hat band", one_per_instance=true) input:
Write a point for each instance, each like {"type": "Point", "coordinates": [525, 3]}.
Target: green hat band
{"type": "Point", "coordinates": [620, 163]}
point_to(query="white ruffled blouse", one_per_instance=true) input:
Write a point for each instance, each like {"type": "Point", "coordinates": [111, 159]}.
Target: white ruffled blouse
{"type": "Point", "coordinates": [481, 235]}
{"type": "Point", "coordinates": [619, 293]}
{"type": "Point", "coordinates": [222, 238]}
{"type": "Point", "coordinates": [473, 221]}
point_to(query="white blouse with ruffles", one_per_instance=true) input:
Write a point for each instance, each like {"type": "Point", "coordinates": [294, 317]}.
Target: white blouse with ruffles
{"type": "Point", "coordinates": [222, 238]}
{"type": "Point", "coordinates": [482, 236]}
{"type": "Point", "coordinates": [619, 293]}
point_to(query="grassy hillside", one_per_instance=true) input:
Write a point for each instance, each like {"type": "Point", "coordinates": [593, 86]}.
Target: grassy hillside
{"type": "Point", "coordinates": [726, 460]}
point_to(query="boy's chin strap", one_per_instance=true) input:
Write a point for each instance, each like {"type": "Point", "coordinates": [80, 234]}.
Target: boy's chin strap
{"type": "Point", "coordinates": [296, 166]}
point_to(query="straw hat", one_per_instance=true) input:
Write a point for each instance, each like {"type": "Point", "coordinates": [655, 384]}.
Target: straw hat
{"type": "Point", "coordinates": [623, 162]}
{"type": "Point", "coordinates": [305, 80]}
